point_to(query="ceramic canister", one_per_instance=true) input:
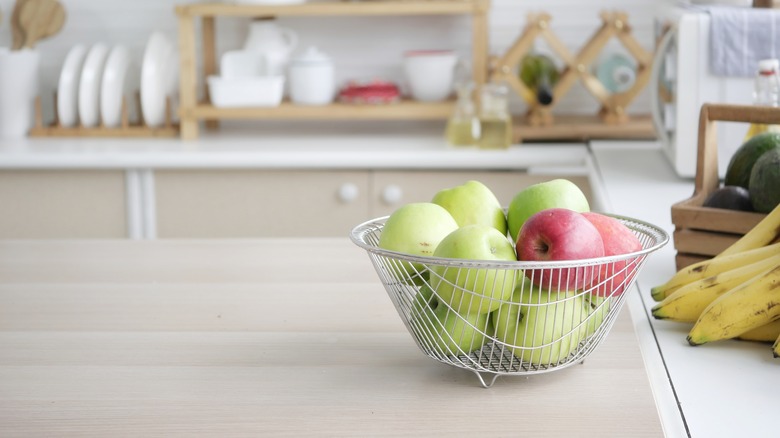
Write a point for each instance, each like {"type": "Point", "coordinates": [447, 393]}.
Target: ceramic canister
{"type": "Point", "coordinates": [311, 76]}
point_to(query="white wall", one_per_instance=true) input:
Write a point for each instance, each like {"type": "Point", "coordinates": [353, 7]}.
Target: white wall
{"type": "Point", "coordinates": [363, 48]}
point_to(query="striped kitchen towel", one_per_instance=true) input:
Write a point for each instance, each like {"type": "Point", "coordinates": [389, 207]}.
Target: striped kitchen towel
{"type": "Point", "coordinates": [740, 37]}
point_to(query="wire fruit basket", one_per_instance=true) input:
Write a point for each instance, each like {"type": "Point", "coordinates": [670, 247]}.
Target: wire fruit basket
{"type": "Point", "coordinates": [503, 317]}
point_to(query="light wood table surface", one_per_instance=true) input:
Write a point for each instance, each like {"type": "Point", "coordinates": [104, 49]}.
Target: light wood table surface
{"type": "Point", "coordinates": [287, 337]}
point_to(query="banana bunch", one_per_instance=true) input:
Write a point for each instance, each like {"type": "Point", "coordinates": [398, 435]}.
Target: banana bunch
{"type": "Point", "coordinates": [734, 295]}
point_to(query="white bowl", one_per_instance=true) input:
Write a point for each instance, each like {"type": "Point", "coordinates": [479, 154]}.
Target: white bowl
{"type": "Point", "coordinates": [266, 91]}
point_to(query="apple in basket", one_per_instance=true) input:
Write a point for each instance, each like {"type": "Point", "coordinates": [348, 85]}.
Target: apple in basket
{"type": "Point", "coordinates": [439, 327]}
{"type": "Point", "coordinates": [415, 229]}
{"type": "Point", "coordinates": [541, 327]}
{"type": "Point", "coordinates": [474, 290]}
{"type": "Point", "coordinates": [558, 234]}
{"type": "Point", "coordinates": [472, 203]}
{"type": "Point", "coordinates": [556, 193]}
{"type": "Point", "coordinates": [611, 278]}
{"type": "Point", "coordinates": [598, 309]}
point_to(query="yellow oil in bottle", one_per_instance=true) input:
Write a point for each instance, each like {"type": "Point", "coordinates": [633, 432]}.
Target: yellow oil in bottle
{"type": "Point", "coordinates": [758, 128]}
{"type": "Point", "coordinates": [495, 133]}
{"type": "Point", "coordinates": [765, 93]}
{"type": "Point", "coordinates": [494, 119]}
{"type": "Point", "coordinates": [462, 132]}
{"type": "Point", "coordinates": [463, 126]}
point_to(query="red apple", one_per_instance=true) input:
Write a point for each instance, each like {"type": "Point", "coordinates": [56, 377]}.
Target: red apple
{"type": "Point", "coordinates": [559, 234]}
{"type": "Point", "coordinates": [618, 239]}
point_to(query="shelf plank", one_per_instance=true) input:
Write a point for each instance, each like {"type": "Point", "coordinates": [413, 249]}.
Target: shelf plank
{"type": "Point", "coordinates": [404, 110]}
{"type": "Point", "coordinates": [584, 127]}
{"type": "Point", "coordinates": [135, 131]}
{"type": "Point", "coordinates": [337, 8]}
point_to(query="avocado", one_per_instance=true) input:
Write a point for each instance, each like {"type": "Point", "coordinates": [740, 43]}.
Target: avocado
{"type": "Point", "coordinates": [731, 198]}
{"type": "Point", "coordinates": [741, 163]}
{"type": "Point", "coordinates": [765, 181]}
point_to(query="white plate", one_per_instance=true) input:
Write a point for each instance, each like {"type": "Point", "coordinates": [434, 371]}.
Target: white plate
{"type": "Point", "coordinates": [113, 86]}
{"type": "Point", "coordinates": [159, 78]}
{"type": "Point", "coordinates": [89, 85]}
{"type": "Point", "coordinates": [68, 86]}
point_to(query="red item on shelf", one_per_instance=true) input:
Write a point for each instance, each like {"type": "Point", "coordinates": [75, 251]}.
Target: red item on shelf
{"type": "Point", "coordinates": [374, 92]}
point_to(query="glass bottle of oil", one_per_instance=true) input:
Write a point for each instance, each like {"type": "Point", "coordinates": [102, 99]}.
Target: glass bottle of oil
{"type": "Point", "coordinates": [766, 93]}
{"type": "Point", "coordinates": [463, 125]}
{"type": "Point", "coordinates": [494, 118]}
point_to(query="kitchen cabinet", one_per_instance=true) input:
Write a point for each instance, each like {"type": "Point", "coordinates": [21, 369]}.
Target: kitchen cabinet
{"type": "Point", "coordinates": [63, 204]}
{"type": "Point", "coordinates": [231, 187]}
{"type": "Point", "coordinates": [196, 203]}
{"type": "Point", "coordinates": [191, 112]}
{"type": "Point", "coordinates": [251, 203]}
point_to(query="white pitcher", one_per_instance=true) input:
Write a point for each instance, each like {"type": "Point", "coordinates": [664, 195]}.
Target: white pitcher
{"type": "Point", "coordinates": [275, 43]}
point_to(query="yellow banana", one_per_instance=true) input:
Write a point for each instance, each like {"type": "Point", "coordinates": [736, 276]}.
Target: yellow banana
{"type": "Point", "coordinates": [713, 266]}
{"type": "Point", "coordinates": [776, 347]}
{"type": "Point", "coordinates": [687, 303]}
{"type": "Point", "coordinates": [751, 304]}
{"type": "Point", "coordinates": [762, 234]}
{"type": "Point", "coordinates": [765, 333]}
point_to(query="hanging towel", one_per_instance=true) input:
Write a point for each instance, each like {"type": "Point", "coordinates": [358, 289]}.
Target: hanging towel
{"type": "Point", "coordinates": [740, 37]}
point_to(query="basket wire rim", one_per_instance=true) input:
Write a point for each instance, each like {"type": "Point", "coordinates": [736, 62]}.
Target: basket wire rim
{"type": "Point", "coordinates": [358, 232]}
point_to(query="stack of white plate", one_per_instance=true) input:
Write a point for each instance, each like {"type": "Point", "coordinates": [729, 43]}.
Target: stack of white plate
{"type": "Point", "coordinates": [95, 80]}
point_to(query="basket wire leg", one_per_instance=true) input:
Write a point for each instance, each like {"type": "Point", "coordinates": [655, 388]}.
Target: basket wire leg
{"type": "Point", "coordinates": [486, 381]}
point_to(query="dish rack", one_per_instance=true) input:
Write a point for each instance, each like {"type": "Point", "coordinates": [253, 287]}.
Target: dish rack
{"type": "Point", "coordinates": [460, 312]}
{"type": "Point", "coordinates": [126, 128]}
{"type": "Point", "coordinates": [702, 232]}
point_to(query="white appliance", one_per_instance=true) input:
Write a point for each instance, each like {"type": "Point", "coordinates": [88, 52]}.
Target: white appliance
{"type": "Point", "coordinates": [681, 82]}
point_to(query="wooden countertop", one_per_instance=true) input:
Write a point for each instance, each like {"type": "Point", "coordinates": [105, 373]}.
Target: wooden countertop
{"type": "Point", "coordinates": [287, 337]}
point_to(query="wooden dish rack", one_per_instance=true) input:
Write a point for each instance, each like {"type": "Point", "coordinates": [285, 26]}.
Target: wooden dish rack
{"type": "Point", "coordinates": [126, 128]}
{"type": "Point", "coordinates": [612, 121]}
{"type": "Point", "coordinates": [702, 232]}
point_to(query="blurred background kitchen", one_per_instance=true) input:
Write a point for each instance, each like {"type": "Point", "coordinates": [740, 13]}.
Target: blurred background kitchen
{"type": "Point", "coordinates": [364, 48]}
{"type": "Point", "coordinates": [345, 112]}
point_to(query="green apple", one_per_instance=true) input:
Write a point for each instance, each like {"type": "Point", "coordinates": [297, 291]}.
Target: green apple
{"type": "Point", "coordinates": [541, 327]}
{"type": "Point", "coordinates": [474, 290]}
{"type": "Point", "coordinates": [556, 193]}
{"type": "Point", "coordinates": [597, 308]}
{"type": "Point", "coordinates": [472, 203]}
{"type": "Point", "coordinates": [415, 229]}
{"type": "Point", "coordinates": [444, 330]}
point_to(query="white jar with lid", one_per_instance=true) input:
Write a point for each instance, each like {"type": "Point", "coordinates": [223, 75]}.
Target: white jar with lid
{"type": "Point", "coordinates": [311, 76]}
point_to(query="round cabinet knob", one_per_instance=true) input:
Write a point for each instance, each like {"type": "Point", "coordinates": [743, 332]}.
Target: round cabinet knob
{"type": "Point", "coordinates": [348, 192]}
{"type": "Point", "coordinates": [392, 194]}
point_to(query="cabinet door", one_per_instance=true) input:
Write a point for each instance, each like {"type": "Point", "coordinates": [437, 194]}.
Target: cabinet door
{"type": "Point", "coordinates": [51, 204]}
{"type": "Point", "coordinates": [391, 189]}
{"type": "Point", "coordinates": [259, 203]}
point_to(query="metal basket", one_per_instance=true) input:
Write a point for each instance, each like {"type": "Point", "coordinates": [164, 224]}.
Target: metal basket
{"type": "Point", "coordinates": [505, 317]}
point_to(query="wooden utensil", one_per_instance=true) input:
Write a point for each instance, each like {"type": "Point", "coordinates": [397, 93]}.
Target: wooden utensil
{"type": "Point", "coordinates": [17, 34]}
{"type": "Point", "coordinates": [40, 19]}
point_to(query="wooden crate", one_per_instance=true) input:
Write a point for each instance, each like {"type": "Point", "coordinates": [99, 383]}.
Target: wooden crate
{"type": "Point", "coordinates": [702, 232]}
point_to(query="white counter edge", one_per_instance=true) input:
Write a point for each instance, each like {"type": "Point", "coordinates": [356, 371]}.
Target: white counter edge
{"type": "Point", "coordinates": [330, 153]}
{"type": "Point", "coordinates": [663, 391]}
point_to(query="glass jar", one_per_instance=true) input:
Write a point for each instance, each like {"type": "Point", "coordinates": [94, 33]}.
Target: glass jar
{"type": "Point", "coordinates": [494, 118]}
{"type": "Point", "coordinates": [766, 92]}
{"type": "Point", "coordinates": [463, 125]}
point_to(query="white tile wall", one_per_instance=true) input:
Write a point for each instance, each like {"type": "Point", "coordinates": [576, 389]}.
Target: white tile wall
{"type": "Point", "coordinates": [362, 48]}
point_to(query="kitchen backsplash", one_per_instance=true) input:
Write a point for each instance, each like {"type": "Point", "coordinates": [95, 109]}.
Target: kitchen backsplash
{"type": "Point", "coordinates": [361, 47]}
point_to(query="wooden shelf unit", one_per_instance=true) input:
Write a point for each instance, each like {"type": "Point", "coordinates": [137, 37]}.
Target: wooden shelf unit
{"type": "Point", "coordinates": [191, 112]}
{"type": "Point", "coordinates": [403, 110]}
